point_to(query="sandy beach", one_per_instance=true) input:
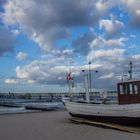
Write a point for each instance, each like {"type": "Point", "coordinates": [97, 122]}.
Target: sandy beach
{"type": "Point", "coordinates": [54, 125]}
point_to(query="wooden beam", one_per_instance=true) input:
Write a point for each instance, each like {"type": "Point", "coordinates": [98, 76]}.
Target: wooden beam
{"type": "Point", "coordinates": [107, 125]}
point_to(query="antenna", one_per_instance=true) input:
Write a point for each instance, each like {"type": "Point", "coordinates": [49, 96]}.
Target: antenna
{"type": "Point", "coordinates": [130, 71]}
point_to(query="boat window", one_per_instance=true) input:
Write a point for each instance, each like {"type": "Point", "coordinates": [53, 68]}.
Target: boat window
{"type": "Point", "coordinates": [125, 89]}
{"type": "Point", "coordinates": [135, 89]}
{"type": "Point", "coordinates": [130, 89]}
{"type": "Point", "coordinates": [121, 89]}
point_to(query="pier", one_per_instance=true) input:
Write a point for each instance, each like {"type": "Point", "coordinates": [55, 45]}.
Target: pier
{"type": "Point", "coordinates": [51, 96]}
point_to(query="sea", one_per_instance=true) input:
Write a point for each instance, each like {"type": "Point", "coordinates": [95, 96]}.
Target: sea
{"type": "Point", "coordinates": [16, 105]}
{"type": "Point", "coordinates": [10, 106]}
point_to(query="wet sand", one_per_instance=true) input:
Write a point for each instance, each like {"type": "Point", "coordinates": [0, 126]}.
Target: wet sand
{"type": "Point", "coordinates": [54, 125]}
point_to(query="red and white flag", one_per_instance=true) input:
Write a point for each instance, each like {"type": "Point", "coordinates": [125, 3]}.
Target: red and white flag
{"type": "Point", "coordinates": [69, 77]}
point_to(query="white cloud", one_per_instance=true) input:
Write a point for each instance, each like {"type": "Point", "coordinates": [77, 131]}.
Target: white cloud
{"type": "Point", "coordinates": [112, 26]}
{"type": "Point", "coordinates": [15, 32]}
{"type": "Point", "coordinates": [133, 36]}
{"type": "Point", "coordinates": [100, 42]}
{"type": "Point", "coordinates": [136, 57]}
{"type": "Point", "coordinates": [49, 72]}
{"type": "Point", "coordinates": [108, 76]}
{"type": "Point", "coordinates": [116, 42]}
{"type": "Point", "coordinates": [21, 56]}
{"type": "Point", "coordinates": [41, 71]}
{"type": "Point", "coordinates": [104, 5]}
{"type": "Point", "coordinates": [105, 53]}
{"type": "Point", "coordinates": [111, 64]}
{"type": "Point", "coordinates": [22, 72]}
{"type": "Point", "coordinates": [11, 81]}
{"type": "Point", "coordinates": [31, 81]}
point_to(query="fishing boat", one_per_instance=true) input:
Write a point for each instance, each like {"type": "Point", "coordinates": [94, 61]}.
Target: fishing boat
{"type": "Point", "coordinates": [125, 111]}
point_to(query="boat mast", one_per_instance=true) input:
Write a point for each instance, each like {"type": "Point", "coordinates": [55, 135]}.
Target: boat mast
{"type": "Point", "coordinates": [86, 87]}
{"type": "Point", "coordinates": [70, 82]}
{"type": "Point", "coordinates": [89, 77]}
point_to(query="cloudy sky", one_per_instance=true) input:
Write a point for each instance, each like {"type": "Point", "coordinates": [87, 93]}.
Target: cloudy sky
{"type": "Point", "coordinates": [41, 40]}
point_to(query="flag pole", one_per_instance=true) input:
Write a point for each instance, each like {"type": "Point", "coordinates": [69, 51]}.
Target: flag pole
{"type": "Point", "coordinates": [68, 83]}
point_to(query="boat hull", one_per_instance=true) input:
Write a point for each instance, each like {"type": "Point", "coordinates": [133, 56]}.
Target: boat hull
{"type": "Point", "coordinates": [111, 119]}
{"type": "Point", "coordinates": [121, 114]}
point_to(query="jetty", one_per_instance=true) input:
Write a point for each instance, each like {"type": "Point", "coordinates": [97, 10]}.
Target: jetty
{"type": "Point", "coordinates": [50, 96]}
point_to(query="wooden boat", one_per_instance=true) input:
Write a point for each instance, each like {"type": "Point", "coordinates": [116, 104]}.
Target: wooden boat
{"type": "Point", "coordinates": [126, 111]}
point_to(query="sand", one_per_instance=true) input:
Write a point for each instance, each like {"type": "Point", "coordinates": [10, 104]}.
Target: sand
{"type": "Point", "coordinates": [54, 125]}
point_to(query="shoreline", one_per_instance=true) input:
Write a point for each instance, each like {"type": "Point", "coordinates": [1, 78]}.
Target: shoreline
{"type": "Point", "coordinates": [54, 125]}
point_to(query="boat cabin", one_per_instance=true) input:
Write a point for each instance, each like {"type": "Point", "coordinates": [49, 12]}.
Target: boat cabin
{"type": "Point", "coordinates": [128, 92]}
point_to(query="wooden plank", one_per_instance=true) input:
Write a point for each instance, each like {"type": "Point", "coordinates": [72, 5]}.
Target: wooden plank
{"type": "Point", "coordinates": [107, 125]}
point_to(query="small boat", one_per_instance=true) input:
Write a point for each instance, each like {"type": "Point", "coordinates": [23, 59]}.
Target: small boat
{"type": "Point", "coordinates": [125, 111]}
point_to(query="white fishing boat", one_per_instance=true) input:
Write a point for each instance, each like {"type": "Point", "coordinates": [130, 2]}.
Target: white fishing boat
{"type": "Point", "coordinates": [126, 111]}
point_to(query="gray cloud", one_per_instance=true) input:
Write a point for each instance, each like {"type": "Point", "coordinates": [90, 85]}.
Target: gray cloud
{"type": "Point", "coordinates": [7, 42]}
{"type": "Point", "coordinates": [46, 21]}
{"type": "Point", "coordinates": [2, 2]}
{"type": "Point", "coordinates": [133, 8]}
{"type": "Point", "coordinates": [82, 44]}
